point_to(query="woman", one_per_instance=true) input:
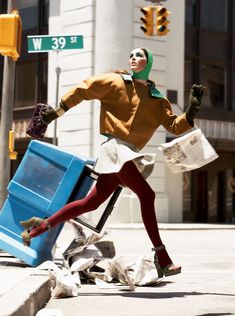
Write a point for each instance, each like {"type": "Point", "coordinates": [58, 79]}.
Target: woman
{"type": "Point", "coordinates": [131, 111]}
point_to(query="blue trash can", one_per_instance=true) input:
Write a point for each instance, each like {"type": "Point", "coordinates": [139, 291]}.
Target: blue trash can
{"type": "Point", "coordinates": [44, 182]}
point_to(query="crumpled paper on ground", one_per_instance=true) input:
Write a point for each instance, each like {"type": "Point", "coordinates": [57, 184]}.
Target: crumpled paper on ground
{"type": "Point", "coordinates": [135, 273]}
{"type": "Point", "coordinates": [81, 242]}
{"type": "Point", "coordinates": [144, 272]}
{"type": "Point", "coordinates": [90, 259]}
{"type": "Point", "coordinates": [63, 283]}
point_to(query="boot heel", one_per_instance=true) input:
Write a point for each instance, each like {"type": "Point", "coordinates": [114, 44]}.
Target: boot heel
{"type": "Point", "coordinates": [159, 269]}
{"type": "Point", "coordinates": [26, 237]}
{"type": "Point", "coordinates": [156, 262]}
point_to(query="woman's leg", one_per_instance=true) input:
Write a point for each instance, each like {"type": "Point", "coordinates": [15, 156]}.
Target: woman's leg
{"type": "Point", "coordinates": [105, 186]}
{"type": "Point", "coordinates": [132, 178]}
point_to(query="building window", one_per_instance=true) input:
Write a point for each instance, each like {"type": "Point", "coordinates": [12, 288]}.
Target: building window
{"type": "Point", "coordinates": [213, 15]}
{"type": "Point", "coordinates": [213, 77]}
{"type": "Point", "coordinates": [190, 12]}
{"type": "Point", "coordinates": [31, 69]}
{"type": "Point", "coordinates": [26, 84]}
{"type": "Point", "coordinates": [209, 55]}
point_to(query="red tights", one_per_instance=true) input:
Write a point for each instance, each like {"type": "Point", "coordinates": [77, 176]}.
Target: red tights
{"type": "Point", "coordinates": [128, 176]}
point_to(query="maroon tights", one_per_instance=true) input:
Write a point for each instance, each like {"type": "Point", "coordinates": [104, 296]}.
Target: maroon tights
{"type": "Point", "coordinates": [128, 176]}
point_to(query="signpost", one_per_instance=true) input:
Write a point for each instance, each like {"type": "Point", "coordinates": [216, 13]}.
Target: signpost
{"type": "Point", "coordinates": [57, 43]}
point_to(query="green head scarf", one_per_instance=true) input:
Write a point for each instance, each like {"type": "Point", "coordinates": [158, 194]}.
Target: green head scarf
{"type": "Point", "coordinates": [144, 74]}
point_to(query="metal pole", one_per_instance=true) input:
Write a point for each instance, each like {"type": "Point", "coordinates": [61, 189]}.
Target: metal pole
{"type": "Point", "coordinates": [6, 120]}
{"type": "Point", "coordinates": [58, 71]}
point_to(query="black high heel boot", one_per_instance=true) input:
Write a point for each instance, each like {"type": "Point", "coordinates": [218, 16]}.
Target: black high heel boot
{"type": "Point", "coordinates": [168, 270]}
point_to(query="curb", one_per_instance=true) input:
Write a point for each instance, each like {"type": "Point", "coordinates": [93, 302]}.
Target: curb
{"type": "Point", "coordinates": [174, 226]}
{"type": "Point", "coordinates": [27, 298]}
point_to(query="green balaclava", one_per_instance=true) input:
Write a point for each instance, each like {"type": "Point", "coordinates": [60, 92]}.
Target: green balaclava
{"type": "Point", "coordinates": [144, 74]}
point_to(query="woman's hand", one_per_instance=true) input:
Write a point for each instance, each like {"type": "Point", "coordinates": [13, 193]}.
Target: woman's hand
{"type": "Point", "coordinates": [49, 115]}
{"type": "Point", "coordinates": [195, 99]}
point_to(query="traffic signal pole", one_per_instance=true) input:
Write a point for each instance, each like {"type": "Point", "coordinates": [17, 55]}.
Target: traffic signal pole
{"type": "Point", "coordinates": [6, 118]}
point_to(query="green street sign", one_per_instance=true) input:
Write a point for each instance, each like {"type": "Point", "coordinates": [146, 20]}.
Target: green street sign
{"type": "Point", "coordinates": [46, 43]}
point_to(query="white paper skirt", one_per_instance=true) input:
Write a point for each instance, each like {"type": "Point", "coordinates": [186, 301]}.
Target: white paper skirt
{"type": "Point", "coordinates": [114, 153]}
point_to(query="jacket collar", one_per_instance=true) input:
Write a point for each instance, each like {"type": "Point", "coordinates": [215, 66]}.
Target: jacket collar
{"type": "Point", "coordinates": [154, 92]}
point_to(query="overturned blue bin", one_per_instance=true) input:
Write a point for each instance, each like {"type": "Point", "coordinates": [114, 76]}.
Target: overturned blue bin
{"type": "Point", "coordinates": [46, 179]}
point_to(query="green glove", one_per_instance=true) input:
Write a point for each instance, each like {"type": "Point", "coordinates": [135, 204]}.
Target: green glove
{"type": "Point", "coordinates": [50, 115]}
{"type": "Point", "coordinates": [195, 99]}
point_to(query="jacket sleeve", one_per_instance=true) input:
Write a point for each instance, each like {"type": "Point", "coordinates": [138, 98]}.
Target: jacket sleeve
{"type": "Point", "coordinates": [173, 123]}
{"type": "Point", "coordinates": [95, 87]}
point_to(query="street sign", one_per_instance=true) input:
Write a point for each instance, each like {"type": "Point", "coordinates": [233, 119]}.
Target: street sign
{"type": "Point", "coordinates": [46, 43]}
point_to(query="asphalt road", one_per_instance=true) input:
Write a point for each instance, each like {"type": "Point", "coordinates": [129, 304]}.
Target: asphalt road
{"type": "Point", "coordinates": [206, 285]}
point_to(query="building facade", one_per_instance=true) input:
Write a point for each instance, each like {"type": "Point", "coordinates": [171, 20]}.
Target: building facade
{"type": "Point", "coordinates": [195, 50]}
{"type": "Point", "coordinates": [210, 59]}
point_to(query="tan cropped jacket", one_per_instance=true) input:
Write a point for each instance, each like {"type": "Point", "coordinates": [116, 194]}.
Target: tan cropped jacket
{"type": "Point", "coordinates": [128, 111]}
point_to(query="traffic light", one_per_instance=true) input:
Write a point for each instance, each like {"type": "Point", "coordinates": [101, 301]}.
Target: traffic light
{"type": "Point", "coordinates": [10, 34]}
{"type": "Point", "coordinates": [161, 20]}
{"type": "Point", "coordinates": [147, 19]}
{"type": "Point", "coordinates": [12, 154]}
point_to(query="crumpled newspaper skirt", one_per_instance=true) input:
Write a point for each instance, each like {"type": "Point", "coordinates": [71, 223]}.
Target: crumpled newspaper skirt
{"type": "Point", "coordinates": [114, 153]}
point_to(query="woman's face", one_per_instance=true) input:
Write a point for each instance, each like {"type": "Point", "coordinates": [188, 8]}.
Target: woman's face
{"type": "Point", "coordinates": [138, 60]}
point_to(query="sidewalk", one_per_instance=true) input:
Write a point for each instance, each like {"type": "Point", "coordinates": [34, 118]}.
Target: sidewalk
{"type": "Point", "coordinates": [25, 290]}
{"type": "Point", "coordinates": [21, 290]}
